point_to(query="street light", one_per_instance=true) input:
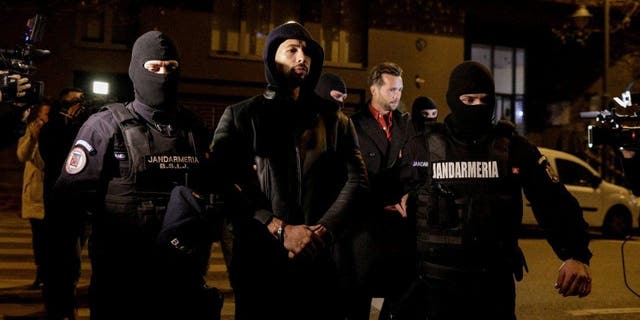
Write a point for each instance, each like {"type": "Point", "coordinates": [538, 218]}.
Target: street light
{"type": "Point", "coordinates": [579, 31]}
{"type": "Point", "coordinates": [581, 17]}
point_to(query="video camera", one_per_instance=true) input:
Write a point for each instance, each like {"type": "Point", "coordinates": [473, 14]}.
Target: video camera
{"type": "Point", "coordinates": [617, 126]}
{"type": "Point", "coordinates": [20, 61]}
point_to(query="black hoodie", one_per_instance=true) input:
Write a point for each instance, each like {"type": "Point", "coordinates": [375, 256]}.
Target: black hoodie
{"type": "Point", "coordinates": [291, 30]}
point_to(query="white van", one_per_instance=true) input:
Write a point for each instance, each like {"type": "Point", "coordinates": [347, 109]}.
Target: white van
{"type": "Point", "coordinates": [608, 207]}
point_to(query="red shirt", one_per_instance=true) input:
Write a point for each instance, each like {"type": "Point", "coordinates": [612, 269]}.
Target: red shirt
{"type": "Point", "coordinates": [385, 121]}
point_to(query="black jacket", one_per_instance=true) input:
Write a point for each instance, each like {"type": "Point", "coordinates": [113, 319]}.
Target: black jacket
{"type": "Point", "coordinates": [556, 210]}
{"type": "Point", "coordinates": [381, 245]}
{"type": "Point", "coordinates": [306, 171]}
{"type": "Point", "coordinates": [382, 157]}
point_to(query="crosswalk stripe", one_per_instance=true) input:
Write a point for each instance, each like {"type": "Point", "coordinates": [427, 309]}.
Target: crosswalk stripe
{"type": "Point", "coordinates": [18, 268]}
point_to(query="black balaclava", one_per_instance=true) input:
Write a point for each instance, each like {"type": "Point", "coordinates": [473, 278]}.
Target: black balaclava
{"type": "Point", "coordinates": [470, 77]}
{"type": "Point", "coordinates": [154, 90]}
{"type": "Point", "coordinates": [420, 104]}
{"type": "Point", "coordinates": [327, 83]}
{"type": "Point", "coordinates": [291, 30]}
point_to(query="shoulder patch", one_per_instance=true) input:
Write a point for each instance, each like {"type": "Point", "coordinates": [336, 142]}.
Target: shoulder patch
{"type": "Point", "coordinates": [549, 169]}
{"type": "Point", "coordinates": [76, 161]}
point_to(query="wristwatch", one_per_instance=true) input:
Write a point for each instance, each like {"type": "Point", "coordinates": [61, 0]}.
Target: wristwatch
{"type": "Point", "coordinates": [280, 232]}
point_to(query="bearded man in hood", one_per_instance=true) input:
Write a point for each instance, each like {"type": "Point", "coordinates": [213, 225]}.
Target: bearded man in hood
{"type": "Point", "coordinates": [291, 167]}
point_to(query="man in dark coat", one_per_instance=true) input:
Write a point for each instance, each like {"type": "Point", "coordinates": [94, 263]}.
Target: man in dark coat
{"type": "Point", "coordinates": [382, 244]}
{"type": "Point", "coordinates": [289, 184]}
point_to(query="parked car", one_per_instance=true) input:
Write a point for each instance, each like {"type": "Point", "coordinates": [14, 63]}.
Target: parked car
{"type": "Point", "coordinates": [610, 208]}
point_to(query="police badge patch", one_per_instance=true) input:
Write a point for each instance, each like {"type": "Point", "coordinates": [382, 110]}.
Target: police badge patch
{"type": "Point", "coordinates": [76, 161]}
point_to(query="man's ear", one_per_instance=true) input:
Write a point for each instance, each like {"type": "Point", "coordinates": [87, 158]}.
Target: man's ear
{"type": "Point", "coordinates": [373, 89]}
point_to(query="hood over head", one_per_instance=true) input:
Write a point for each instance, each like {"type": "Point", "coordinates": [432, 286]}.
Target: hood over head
{"type": "Point", "coordinates": [154, 90]}
{"type": "Point", "coordinates": [291, 30]}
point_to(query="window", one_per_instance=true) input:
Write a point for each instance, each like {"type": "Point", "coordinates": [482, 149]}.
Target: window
{"type": "Point", "coordinates": [508, 68]}
{"type": "Point", "coordinates": [341, 32]}
{"type": "Point", "coordinates": [240, 28]}
{"type": "Point", "coordinates": [104, 26]}
{"type": "Point", "coordinates": [574, 174]}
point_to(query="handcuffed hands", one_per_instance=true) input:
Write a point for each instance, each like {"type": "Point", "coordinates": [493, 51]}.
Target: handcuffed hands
{"type": "Point", "coordinates": [400, 207]}
{"type": "Point", "coordinates": [573, 279]}
{"type": "Point", "coordinates": [300, 240]}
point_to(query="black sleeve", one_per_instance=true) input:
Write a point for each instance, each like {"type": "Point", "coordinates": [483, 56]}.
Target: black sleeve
{"type": "Point", "coordinates": [86, 165]}
{"type": "Point", "coordinates": [233, 169]}
{"type": "Point", "coordinates": [557, 211]}
{"type": "Point", "coordinates": [65, 218]}
{"type": "Point", "coordinates": [337, 215]}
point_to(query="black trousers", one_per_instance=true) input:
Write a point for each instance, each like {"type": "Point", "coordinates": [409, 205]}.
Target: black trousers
{"type": "Point", "coordinates": [269, 285]}
{"type": "Point", "coordinates": [475, 296]}
{"type": "Point", "coordinates": [38, 240]}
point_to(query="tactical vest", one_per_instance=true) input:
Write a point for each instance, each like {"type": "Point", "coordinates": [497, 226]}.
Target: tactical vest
{"type": "Point", "coordinates": [138, 196]}
{"type": "Point", "coordinates": [466, 211]}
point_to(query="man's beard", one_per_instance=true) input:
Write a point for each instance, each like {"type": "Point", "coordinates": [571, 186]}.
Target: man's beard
{"type": "Point", "coordinates": [296, 78]}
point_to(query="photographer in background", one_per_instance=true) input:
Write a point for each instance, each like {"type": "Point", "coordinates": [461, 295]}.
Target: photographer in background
{"type": "Point", "coordinates": [616, 127]}
{"type": "Point", "coordinates": [12, 86]}
{"type": "Point", "coordinates": [631, 166]}
{"type": "Point", "coordinates": [33, 178]}
{"type": "Point", "coordinates": [55, 140]}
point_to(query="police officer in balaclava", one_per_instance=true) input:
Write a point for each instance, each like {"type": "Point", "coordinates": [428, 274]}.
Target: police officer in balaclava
{"type": "Point", "coordinates": [332, 88]}
{"type": "Point", "coordinates": [123, 165]}
{"type": "Point", "coordinates": [423, 112]}
{"type": "Point", "coordinates": [154, 71]}
{"type": "Point", "coordinates": [470, 175]}
{"type": "Point", "coordinates": [471, 97]}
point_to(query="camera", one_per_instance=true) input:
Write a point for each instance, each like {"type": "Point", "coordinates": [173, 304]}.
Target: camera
{"type": "Point", "coordinates": [9, 89]}
{"type": "Point", "coordinates": [618, 125]}
{"type": "Point", "coordinates": [20, 61]}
